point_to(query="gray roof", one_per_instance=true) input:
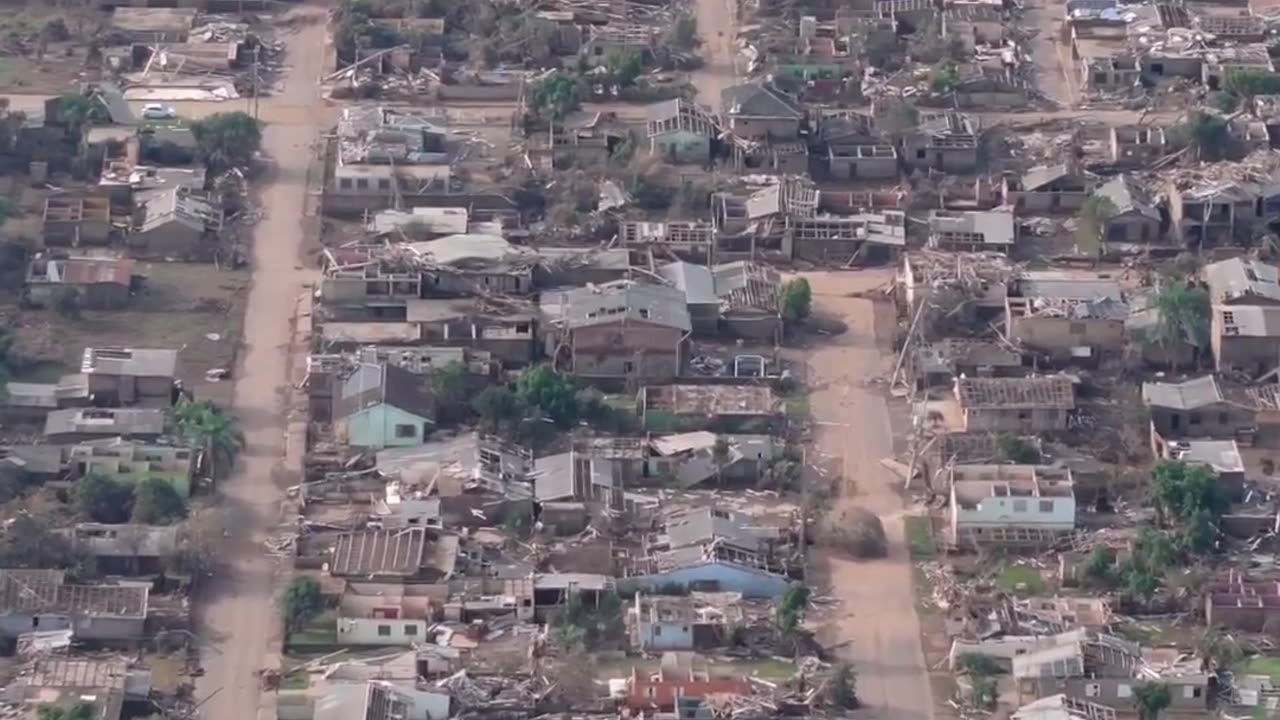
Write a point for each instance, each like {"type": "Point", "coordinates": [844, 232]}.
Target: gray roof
{"type": "Point", "coordinates": [755, 100]}
{"type": "Point", "coordinates": [110, 95]}
{"type": "Point", "coordinates": [1188, 395]}
{"type": "Point", "coordinates": [1221, 455]}
{"type": "Point", "coordinates": [995, 226]}
{"type": "Point", "coordinates": [553, 477]}
{"type": "Point", "coordinates": [1241, 277]}
{"type": "Point", "coordinates": [694, 280]}
{"type": "Point", "coordinates": [1050, 286]}
{"type": "Point", "coordinates": [41, 459]}
{"type": "Point", "coordinates": [703, 525]}
{"type": "Point", "coordinates": [1127, 197]}
{"type": "Point", "coordinates": [1040, 176]}
{"type": "Point", "coordinates": [102, 540]}
{"type": "Point", "coordinates": [105, 421]}
{"type": "Point", "coordinates": [136, 362]}
{"type": "Point", "coordinates": [589, 306]}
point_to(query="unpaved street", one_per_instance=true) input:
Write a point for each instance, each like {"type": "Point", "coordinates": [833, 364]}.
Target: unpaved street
{"type": "Point", "coordinates": [877, 614]}
{"type": "Point", "coordinates": [237, 621]}
{"type": "Point", "coordinates": [717, 25]}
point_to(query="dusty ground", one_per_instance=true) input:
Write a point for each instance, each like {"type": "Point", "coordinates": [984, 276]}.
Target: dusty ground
{"type": "Point", "coordinates": [877, 617]}
{"type": "Point", "coordinates": [717, 26]}
{"type": "Point", "coordinates": [237, 620]}
{"type": "Point", "coordinates": [180, 307]}
{"type": "Point", "coordinates": [1054, 77]}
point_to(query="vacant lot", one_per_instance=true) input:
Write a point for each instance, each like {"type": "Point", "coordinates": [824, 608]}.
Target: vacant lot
{"type": "Point", "coordinates": [196, 308]}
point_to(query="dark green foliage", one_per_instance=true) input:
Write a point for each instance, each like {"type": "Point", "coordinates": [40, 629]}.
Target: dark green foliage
{"type": "Point", "coordinates": [102, 499]}
{"type": "Point", "coordinates": [1206, 133]}
{"type": "Point", "coordinates": [1151, 699]}
{"type": "Point", "coordinates": [1100, 567]}
{"type": "Point", "coordinates": [554, 96]}
{"type": "Point", "coordinates": [1091, 222]}
{"type": "Point", "coordinates": [1182, 316]}
{"type": "Point", "coordinates": [227, 140]}
{"type": "Point", "coordinates": [1183, 489]}
{"type": "Point", "coordinates": [448, 384]}
{"type": "Point", "coordinates": [76, 711]}
{"type": "Point", "coordinates": [29, 542]}
{"type": "Point", "coordinates": [497, 405]}
{"type": "Point", "coordinates": [207, 427]}
{"type": "Point", "coordinates": [977, 664]}
{"type": "Point", "coordinates": [625, 66]}
{"type": "Point", "coordinates": [156, 502]}
{"type": "Point", "coordinates": [1248, 83]}
{"type": "Point", "coordinates": [1015, 450]}
{"type": "Point", "coordinates": [791, 607]}
{"type": "Point", "coordinates": [580, 627]}
{"type": "Point", "coordinates": [1224, 101]}
{"type": "Point", "coordinates": [842, 688]}
{"type": "Point", "coordinates": [555, 394]}
{"type": "Point", "coordinates": [795, 299]}
{"type": "Point", "coordinates": [301, 602]}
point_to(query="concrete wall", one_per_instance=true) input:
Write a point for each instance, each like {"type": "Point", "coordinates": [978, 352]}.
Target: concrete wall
{"type": "Point", "coordinates": [850, 168]}
{"type": "Point", "coordinates": [665, 636]}
{"type": "Point", "coordinates": [131, 390]}
{"type": "Point", "coordinates": [105, 629]}
{"type": "Point", "coordinates": [1049, 201]}
{"type": "Point", "coordinates": [1252, 355]}
{"type": "Point", "coordinates": [1057, 335]}
{"type": "Point", "coordinates": [621, 349]}
{"type": "Point", "coordinates": [376, 427]}
{"type": "Point", "coordinates": [1015, 421]}
{"type": "Point", "coordinates": [1114, 692]}
{"type": "Point", "coordinates": [380, 631]}
{"type": "Point", "coordinates": [748, 325]}
{"type": "Point", "coordinates": [1016, 512]}
{"type": "Point", "coordinates": [918, 155]}
{"type": "Point", "coordinates": [170, 240]}
{"type": "Point", "coordinates": [1221, 420]}
{"type": "Point", "coordinates": [1133, 227]}
{"type": "Point", "coordinates": [712, 576]}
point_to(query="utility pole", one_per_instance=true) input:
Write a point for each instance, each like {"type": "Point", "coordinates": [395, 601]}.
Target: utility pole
{"type": "Point", "coordinates": [256, 50]}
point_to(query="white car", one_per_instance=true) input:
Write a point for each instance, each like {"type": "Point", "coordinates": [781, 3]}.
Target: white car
{"type": "Point", "coordinates": [158, 112]}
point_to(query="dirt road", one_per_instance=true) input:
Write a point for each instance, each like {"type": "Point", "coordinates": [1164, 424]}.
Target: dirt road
{"type": "Point", "coordinates": [1054, 75]}
{"type": "Point", "coordinates": [237, 621]}
{"type": "Point", "coordinates": [877, 616]}
{"type": "Point", "coordinates": [717, 26]}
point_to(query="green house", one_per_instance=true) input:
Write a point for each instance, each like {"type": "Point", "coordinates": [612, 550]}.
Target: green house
{"type": "Point", "coordinates": [382, 405]}
{"type": "Point", "coordinates": [132, 462]}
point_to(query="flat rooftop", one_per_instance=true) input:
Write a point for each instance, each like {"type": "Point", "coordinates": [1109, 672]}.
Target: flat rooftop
{"type": "Point", "coordinates": [1016, 393]}
{"type": "Point", "coordinates": [710, 400]}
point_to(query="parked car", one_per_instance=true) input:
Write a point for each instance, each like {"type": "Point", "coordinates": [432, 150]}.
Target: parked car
{"type": "Point", "coordinates": [158, 112]}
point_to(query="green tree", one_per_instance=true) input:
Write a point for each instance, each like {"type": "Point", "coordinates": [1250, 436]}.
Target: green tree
{"type": "Point", "coordinates": [1016, 450]}
{"type": "Point", "coordinates": [896, 116]}
{"type": "Point", "coordinates": [1224, 101]}
{"type": "Point", "coordinates": [795, 299]}
{"type": "Point", "coordinates": [103, 499]}
{"type": "Point", "coordinates": [682, 33]}
{"type": "Point", "coordinates": [1151, 699]}
{"type": "Point", "coordinates": [227, 140]}
{"type": "Point", "coordinates": [791, 607]}
{"type": "Point", "coordinates": [1207, 133]}
{"type": "Point", "coordinates": [1248, 83]}
{"type": "Point", "coordinates": [156, 502]}
{"type": "Point", "coordinates": [625, 66]}
{"type": "Point", "coordinates": [554, 97]}
{"type": "Point", "coordinates": [301, 602]}
{"type": "Point", "coordinates": [216, 433]}
{"type": "Point", "coordinates": [1091, 222]}
{"type": "Point", "coordinates": [78, 111]}
{"type": "Point", "coordinates": [497, 405]}
{"type": "Point", "coordinates": [1182, 490]}
{"type": "Point", "coordinates": [580, 627]}
{"type": "Point", "coordinates": [842, 688]}
{"type": "Point", "coordinates": [720, 452]}
{"type": "Point", "coordinates": [74, 711]}
{"type": "Point", "coordinates": [30, 542]}
{"type": "Point", "coordinates": [555, 394]}
{"type": "Point", "coordinates": [1182, 316]}
{"type": "Point", "coordinates": [1099, 567]}
{"type": "Point", "coordinates": [448, 384]}
{"type": "Point", "coordinates": [942, 77]}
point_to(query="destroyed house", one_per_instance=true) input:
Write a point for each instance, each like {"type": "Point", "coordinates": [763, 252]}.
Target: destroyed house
{"type": "Point", "coordinates": [1103, 57]}
{"type": "Point", "coordinates": [673, 693]}
{"type": "Point", "coordinates": [154, 25]}
{"type": "Point", "coordinates": [711, 407]}
{"type": "Point", "coordinates": [747, 293]}
{"type": "Point", "coordinates": [45, 679]}
{"type": "Point", "coordinates": [1135, 146]}
{"type": "Point", "coordinates": [1016, 405]}
{"type": "Point", "coordinates": [680, 131]}
{"type": "Point", "coordinates": [976, 231]}
{"type": "Point", "coordinates": [692, 240]}
{"type": "Point", "coordinates": [31, 402]}
{"type": "Point", "coordinates": [947, 143]}
{"type": "Point", "coordinates": [507, 333]}
{"type": "Point", "coordinates": [1105, 669]}
{"type": "Point", "coordinates": [98, 283]}
{"type": "Point", "coordinates": [394, 555]}
{"type": "Point", "coordinates": [78, 424]}
{"type": "Point", "coordinates": [145, 377]}
{"type": "Point", "coordinates": [1243, 281]}
{"type": "Point", "coordinates": [72, 220]}
{"type": "Point", "coordinates": [1237, 602]}
{"type": "Point", "coordinates": [1011, 506]}
{"type": "Point", "coordinates": [940, 363]}
{"type": "Point", "coordinates": [175, 223]}
{"type": "Point", "coordinates": [754, 111]}
{"type": "Point", "coordinates": [1196, 408]}
{"type": "Point", "coordinates": [620, 331]}
{"type": "Point", "coordinates": [1222, 212]}
{"type": "Point", "coordinates": [866, 238]}
{"type": "Point", "coordinates": [383, 405]}
{"type": "Point", "coordinates": [698, 286]}
{"type": "Point", "coordinates": [384, 155]}
{"type": "Point", "coordinates": [1132, 217]}
{"type": "Point", "coordinates": [973, 25]}
{"type": "Point", "coordinates": [43, 600]}
{"type": "Point", "coordinates": [715, 550]}
{"type": "Point", "coordinates": [862, 161]}
{"type": "Point", "coordinates": [1245, 338]}
{"type": "Point", "coordinates": [126, 549]}
{"type": "Point", "coordinates": [698, 621]}
{"type": "Point", "coordinates": [471, 264]}
{"type": "Point", "coordinates": [1067, 318]}
{"type": "Point", "coordinates": [131, 463]}
{"type": "Point", "coordinates": [381, 700]}
{"type": "Point", "coordinates": [1049, 188]}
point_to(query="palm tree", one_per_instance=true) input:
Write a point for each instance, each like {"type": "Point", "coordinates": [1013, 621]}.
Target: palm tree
{"type": "Point", "coordinates": [205, 425]}
{"type": "Point", "coordinates": [1151, 699]}
{"type": "Point", "coordinates": [1182, 316]}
